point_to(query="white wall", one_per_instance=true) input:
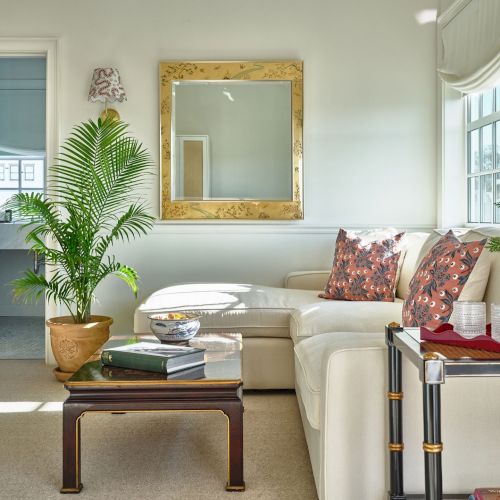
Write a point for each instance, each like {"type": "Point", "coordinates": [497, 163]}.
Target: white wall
{"type": "Point", "coordinates": [369, 117]}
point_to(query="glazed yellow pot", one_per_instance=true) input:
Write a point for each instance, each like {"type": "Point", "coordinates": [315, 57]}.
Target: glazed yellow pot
{"type": "Point", "coordinates": [74, 343]}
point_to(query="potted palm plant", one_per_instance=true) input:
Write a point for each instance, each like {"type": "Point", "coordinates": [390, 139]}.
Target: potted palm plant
{"type": "Point", "coordinates": [91, 203]}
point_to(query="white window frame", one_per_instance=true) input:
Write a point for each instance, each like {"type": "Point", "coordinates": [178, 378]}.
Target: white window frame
{"type": "Point", "coordinates": [19, 163]}
{"type": "Point", "coordinates": [479, 124]}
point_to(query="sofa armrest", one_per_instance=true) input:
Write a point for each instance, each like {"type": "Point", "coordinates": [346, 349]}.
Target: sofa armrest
{"type": "Point", "coordinates": [307, 280]}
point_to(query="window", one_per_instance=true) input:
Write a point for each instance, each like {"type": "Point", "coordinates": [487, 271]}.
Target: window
{"type": "Point", "coordinates": [29, 172]}
{"type": "Point", "coordinates": [483, 156]}
{"type": "Point", "coordinates": [21, 174]}
{"type": "Point", "coordinates": [14, 171]}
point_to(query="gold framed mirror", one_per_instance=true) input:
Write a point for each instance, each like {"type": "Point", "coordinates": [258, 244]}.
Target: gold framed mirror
{"type": "Point", "coordinates": [231, 140]}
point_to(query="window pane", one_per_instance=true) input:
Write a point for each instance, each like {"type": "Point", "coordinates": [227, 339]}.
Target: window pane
{"type": "Point", "coordinates": [486, 198]}
{"type": "Point", "coordinates": [474, 152]}
{"type": "Point", "coordinates": [32, 176]}
{"type": "Point", "coordinates": [474, 199]}
{"type": "Point", "coordinates": [473, 107]}
{"type": "Point", "coordinates": [497, 91]}
{"type": "Point", "coordinates": [6, 194]}
{"type": "Point", "coordinates": [497, 124]}
{"type": "Point", "coordinates": [10, 174]}
{"type": "Point", "coordinates": [14, 172]}
{"type": "Point", "coordinates": [487, 147]}
{"type": "Point", "coordinates": [497, 198]}
{"type": "Point", "coordinates": [487, 105]}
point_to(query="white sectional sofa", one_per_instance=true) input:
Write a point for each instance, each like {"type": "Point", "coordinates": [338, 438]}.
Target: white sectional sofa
{"type": "Point", "coordinates": [333, 353]}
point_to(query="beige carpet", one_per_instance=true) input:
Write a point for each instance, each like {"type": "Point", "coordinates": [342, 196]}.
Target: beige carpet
{"type": "Point", "coordinates": [136, 456]}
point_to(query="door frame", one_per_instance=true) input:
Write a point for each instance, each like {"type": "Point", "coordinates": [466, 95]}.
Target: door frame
{"type": "Point", "coordinates": [50, 48]}
{"type": "Point", "coordinates": [178, 184]}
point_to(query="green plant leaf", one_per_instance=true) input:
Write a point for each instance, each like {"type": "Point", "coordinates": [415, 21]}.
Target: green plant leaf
{"type": "Point", "coordinates": [93, 200]}
{"type": "Point", "coordinates": [130, 276]}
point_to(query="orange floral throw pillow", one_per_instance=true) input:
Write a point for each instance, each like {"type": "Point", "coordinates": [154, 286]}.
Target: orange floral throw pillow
{"type": "Point", "coordinates": [363, 270]}
{"type": "Point", "coordinates": [439, 280]}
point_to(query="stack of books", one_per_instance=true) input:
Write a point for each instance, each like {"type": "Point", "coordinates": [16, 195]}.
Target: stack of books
{"type": "Point", "coordinates": [485, 494]}
{"type": "Point", "coordinates": [151, 356]}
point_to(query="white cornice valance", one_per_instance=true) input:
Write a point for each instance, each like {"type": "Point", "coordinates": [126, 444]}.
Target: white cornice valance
{"type": "Point", "coordinates": [469, 59]}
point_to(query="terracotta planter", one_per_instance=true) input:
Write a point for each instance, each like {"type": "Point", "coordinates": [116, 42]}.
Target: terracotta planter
{"type": "Point", "coordinates": [74, 343]}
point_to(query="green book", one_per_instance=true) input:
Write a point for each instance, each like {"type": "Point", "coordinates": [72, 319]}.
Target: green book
{"type": "Point", "coordinates": [154, 357]}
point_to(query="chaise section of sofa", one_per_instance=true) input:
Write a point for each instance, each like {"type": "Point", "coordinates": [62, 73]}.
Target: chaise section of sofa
{"type": "Point", "coordinates": [260, 313]}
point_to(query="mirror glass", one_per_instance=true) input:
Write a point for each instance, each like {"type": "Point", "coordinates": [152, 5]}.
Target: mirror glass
{"type": "Point", "coordinates": [232, 140]}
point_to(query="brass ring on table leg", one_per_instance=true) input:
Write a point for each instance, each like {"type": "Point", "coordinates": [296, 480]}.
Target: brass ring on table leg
{"type": "Point", "coordinates": [432, 447]}
{"type": "Point", "coordinates": [395, 396]}
{"type": "Point", "coordinates": [430, 356]}
{"type": "Point", "coordinates": [396, 446]}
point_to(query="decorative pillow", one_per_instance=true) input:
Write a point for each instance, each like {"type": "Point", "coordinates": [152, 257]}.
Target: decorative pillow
{"type": "Point", "coordinates": [438, 281]}
{"type": "Point", "coordinates": [363, 270]}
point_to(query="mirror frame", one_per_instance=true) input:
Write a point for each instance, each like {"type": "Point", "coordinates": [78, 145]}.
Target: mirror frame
{"type": "Point", "coordinates": [231, 209]}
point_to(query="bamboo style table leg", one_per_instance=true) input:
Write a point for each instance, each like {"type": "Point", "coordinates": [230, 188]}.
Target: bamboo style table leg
{"type": "Point", "coordinates": [395, 397]}
{"type": "Point", "coordinates": [433, 378]}
{"type": "Point", "coordinates": [71, 448]}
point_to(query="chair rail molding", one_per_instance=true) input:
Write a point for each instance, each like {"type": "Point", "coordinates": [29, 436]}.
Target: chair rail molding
{"type": "Point", "coordinates": [298, 229]}
{"type": "Point", "coordinates": [49, 46]}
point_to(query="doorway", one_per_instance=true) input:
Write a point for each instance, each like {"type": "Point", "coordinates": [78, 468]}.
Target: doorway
{"type": "Point", "coordinates": [23, 84]}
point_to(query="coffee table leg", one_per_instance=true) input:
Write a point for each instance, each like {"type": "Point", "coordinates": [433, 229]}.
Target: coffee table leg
{"type": "Point", "coordinates": [234, 413]}
{"type": "Point", "coordinates": [71, 448]}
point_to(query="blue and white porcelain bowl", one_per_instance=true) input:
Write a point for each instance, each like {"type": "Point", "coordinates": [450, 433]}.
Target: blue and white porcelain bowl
{"type": "Point", "coordinates": [175, 326]}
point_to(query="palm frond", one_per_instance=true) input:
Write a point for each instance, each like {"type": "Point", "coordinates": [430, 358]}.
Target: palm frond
{"type": "Point", "coordinates": [91, 202]}
{"type": "Point", "coordinates": [494, 244]}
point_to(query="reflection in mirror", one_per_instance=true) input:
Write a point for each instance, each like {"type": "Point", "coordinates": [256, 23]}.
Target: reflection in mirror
{"type": "Point", "coordinates": [233, 140]}
{"type": "Point", "coordinates": [192, 168]}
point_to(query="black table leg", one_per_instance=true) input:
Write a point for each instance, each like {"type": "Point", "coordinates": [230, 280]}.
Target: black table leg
{"type": "Point", "coordinates": [432, 441]}
{"type": "Point", "coordinates": [395, 397]}
{"type": "Point", "coordinates": [234, 413]}
{"type": "Point", "coordinates": [71, 448]}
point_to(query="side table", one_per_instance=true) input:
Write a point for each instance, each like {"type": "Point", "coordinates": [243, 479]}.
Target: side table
{"type": "Point", "coordinates": [436, 363]}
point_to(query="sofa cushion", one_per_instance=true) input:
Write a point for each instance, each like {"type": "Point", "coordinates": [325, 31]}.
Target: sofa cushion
{"type": "Point", "coordinates": [439, 280]}
{"type": "Point", "coordinates": [363, 269]}
{"type": "Point", "coordinates": [253, 311]}
{"type": "Point", "coordinates": [475, 287]}
{"type": "Point", "coordinates": [311, 358]}
{"type": "Point", "coordinates": [342, 316]}
{"type": "Point", "coordinates": [412, 245]}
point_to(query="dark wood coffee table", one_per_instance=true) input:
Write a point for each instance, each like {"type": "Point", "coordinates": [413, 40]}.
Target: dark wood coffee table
{"type": "Point", "coordinates": [95, 388]}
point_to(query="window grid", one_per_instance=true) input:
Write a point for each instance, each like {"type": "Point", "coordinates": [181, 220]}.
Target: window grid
{"type": "Point", "coordinates": [481, 200]}
{"type": "Point", "coordinates": [21, 170]}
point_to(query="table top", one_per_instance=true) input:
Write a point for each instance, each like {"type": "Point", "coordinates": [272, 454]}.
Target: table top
{"type": "Point", "coordinates": [222, 365]}
{"type": "Point", "coordinates": [457, 361]}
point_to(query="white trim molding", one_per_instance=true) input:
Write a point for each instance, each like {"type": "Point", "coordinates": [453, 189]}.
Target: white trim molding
{"type": "Point", "coordinates": [50, 48]}
{"type": "Point", "coordinates": [270, 228]}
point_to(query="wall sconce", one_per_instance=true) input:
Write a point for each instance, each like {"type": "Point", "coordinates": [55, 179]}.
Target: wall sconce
{"type": "Point", "coordinates": [106, 87]}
